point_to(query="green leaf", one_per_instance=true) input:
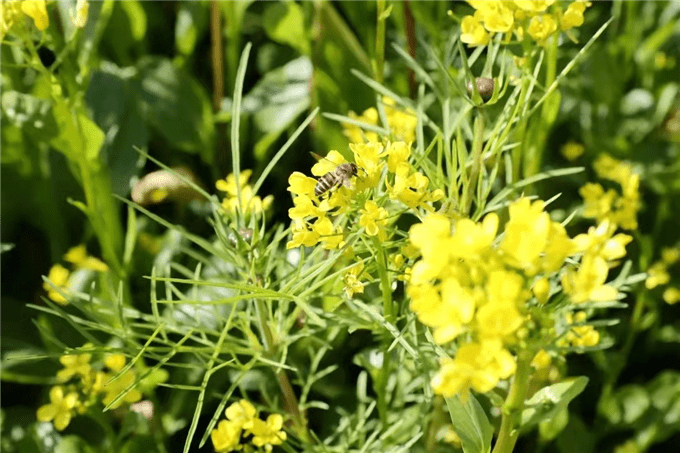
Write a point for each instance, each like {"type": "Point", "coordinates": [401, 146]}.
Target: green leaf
{"type": "Point", "coordinates": [551, 428]}
{"type": "Point", "coordinates": [284, 22]}
{"type": "Point", "coordinates": [192, 19]}
{"type": "Point", "coordinates": [30, 114]}
{"type": "Point", "coordinates": [471, 424]}
{"type": "Point", "coordinates": [80, 139]}
{"type": "Point", "coordinates": [550, 400]}
{"type": "Point", "coordinates": [176, 106]}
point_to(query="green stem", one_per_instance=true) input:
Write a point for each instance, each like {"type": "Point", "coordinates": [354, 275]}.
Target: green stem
{"type": "Point", "coordinates": [477, 146]}
{"type": "Point", "coordinates": [290, 401]}
{"type": "Point", "coordinates": [388, 311]}
{"type": "Point", "coordinates": [514, 403]}
{"type": "Point", "coordinates": [380, 43]}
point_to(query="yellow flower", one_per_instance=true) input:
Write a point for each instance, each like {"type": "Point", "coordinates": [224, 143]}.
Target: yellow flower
{"type": "Point", "coordinates": [304, 207]}
{"type": "Point", "coordinates": [657, 275]}
{"type": "Point", "coordinates": [226, 436]}
{"type": "Point", "coordinates": [37, 11]}
{"type": "Point", "coordinates": [541, 27]}
{"type": "Point", "coordinates": [473, 33]}
{"type": "Point", "coordinates": [671, 295]}
{"type": "Point", "coordinates": [79, 15]}
{"type": "Point", "coordinates": [541, 290]}
{"type": "Point", "coordinates": [266, 434]}
{"type": "Point", "coordinates": [402, 123]}
{"type": "Point", "coordinates": [331, 237]}
{"type": "Point", "coordinates": [112, 389]}
{"type": "Point", "coordinates": [61, 409]}
{"type": "Point", "coordinates": [242, 413]}
{"type": "Point", "coordinates": [59, 276]}
{"type": "Point", "coordinates": [534, 6]}
{"type": "Point", "coordinates": [354, 133]}
{"type": "Point", "coordinates": [600, 241]}
{"type": "Point", "coordinates": [497, 16]}
{"type": "Point", "coordinates": [572, 150]}
{"type": "Point", "coordinates": [526, 234]}
{"type": "Point", "coordinates": [588, 282]}
{"type": "Point", "coordinates": [328, 163]}
{"type": "Point", "coordinates": [74, 364]}
{"type": "Point", "coordinates": [598, 204]}
{"type": "Point", "coordinates": [431, 237]}
{"type": "Point", "coordinates": [541, 360]}
{"type": "Point", "coordinates": [302, 236]}
{"type": "Point", "coordinates": [300, 184]}
{"type": "Point", "coordinates": [374, 219]}
{"type": "Point", "coordinates": [477, 366]}
{"type": "Point", "coordinates": [397, 153]}
{"type": "Point", "coordinates": [351, 278]}
{"type": "Point", "coordinates": [229, 185]}
{"type": "Point", "coordinates": [367, 157]}
{"type": "Point", "coordinates": [115, 362]}
{"type": "Point", "coordinates": [78, 256]}
{"type": "Point", "coordinates": [573, 16]}
{"type": "Point", "coordinates": [670, 255]}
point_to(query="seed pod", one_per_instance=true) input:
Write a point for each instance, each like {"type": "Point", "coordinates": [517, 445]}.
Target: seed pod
{"type": "Point", "coordinates": [484, 86]}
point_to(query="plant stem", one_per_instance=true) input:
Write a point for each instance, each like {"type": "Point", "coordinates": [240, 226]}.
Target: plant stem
{"type": "Point", "coordinates": [514, 403]}
{"type": "Point", "coordinates": [388, 311]}
{"type": "Point", "coordinates": [290, 401]}
{"type": "Point", "coordinates": [380, 43]}
{"type": "Point", "coordinates": [478, 141]}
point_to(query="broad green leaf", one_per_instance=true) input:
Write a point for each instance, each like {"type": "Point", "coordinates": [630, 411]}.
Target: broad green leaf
{"type": "Point", "coordinates": [176, 106]}
{"type": "Point", "coordinates": [471, 424]}
{"type": "Point", "coordinates": [284, 22]}
{"type": "Point", "coordinates": [550, 400]}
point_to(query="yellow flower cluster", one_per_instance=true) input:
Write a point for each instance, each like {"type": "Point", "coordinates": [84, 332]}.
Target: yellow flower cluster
{"type": "Point", "coordinates": [470, 285]}
{"type": "Point", "coordinates": [658, 274]}
{"type": "Point", "coordinates": [312, 216]}
{"type": "Point", "coordinates": [619, 209]}
{"type": "Point", "coordinates": [250, 203]}
{"type": "Point", "coordinates": [241, 420]}
{"type": "Point", "coordinates": [10, 14]}
{"type": "Point", "coordinates": [61, 277]}
{"type": "Point", "coordinates": [75, 397]}
{"type": "Point", "coordinates": [519, 17]}
{"type": "Point", "coordinates": [401, 123]}
{"type": "Point", "coordinates": [581, 335]}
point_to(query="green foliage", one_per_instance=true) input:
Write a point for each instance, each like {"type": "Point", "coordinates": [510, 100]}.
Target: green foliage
{"type": "Point", "coordinates": [201, 295]}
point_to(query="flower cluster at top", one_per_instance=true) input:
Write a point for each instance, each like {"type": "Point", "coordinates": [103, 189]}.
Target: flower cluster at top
{"type": "Point", "coordinates": [11, 13]}
{"type": "Point", "coordinates": [82, 384]}
{"type": "Point", "coordinates": [250, 203]}
{"type": "Point", "coordinates": [242, 421]}
{"type": "Point", "coordinates": [519, 17]}
{"type": "Point", "coordinates": [318, 219]}
{"type": "Point", "coordinates": [472, 286]}
{"type": "Point", "coordinates": [60, 277]}
{"type": "Point", "coordinates": [618, 208]}
{"type": "Point", "coordinates": [658, 275]}
{"type": "Point", "coordinates": [401, 123]}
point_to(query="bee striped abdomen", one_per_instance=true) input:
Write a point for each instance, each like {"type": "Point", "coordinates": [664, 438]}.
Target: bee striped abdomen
{"type": "Point", "coordinates": [325, 183]}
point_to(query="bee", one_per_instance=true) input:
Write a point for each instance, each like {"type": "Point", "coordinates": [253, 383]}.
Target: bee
{"type": "Point", "coordinates": [333, 179]}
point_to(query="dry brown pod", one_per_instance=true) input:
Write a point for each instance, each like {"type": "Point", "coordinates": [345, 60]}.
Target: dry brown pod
{"type": "Point", "coordinates": [485, 87]}
{"type": "Point", "coordinates": [163, 185]}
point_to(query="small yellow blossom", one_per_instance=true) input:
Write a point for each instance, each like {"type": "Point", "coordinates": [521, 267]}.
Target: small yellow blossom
{"type": "Point", "coordinates": [37, 11]}
{"type": "Point", "coordinates": [601, 241]}
{"type": "Point", "coordinates": [302, 236]}
{"type": "Point", "coordinates": [269, 433]}
{"type": "Point", "coordinates": [250, 203]}
{"type": "Point", "coordinates": [300, 184]}
{"type": "Point", "coordinates": [534, 6]}
{"type": "Point", "coordinates": [112, 389]}
{"type": "Point", "coordinates": [367, 156]}
{"type": "Point", "coordinates": [541, 27]}
{"type": "Point", "coordinates": [354, 133]}
{"type": "Point", "coordinates": [78, 256]}
{"type": "Point", "coordinates": [541, 360]}
{"type": "Point", "coordinates": [61, 409]}
{"type": "Point", "coordinates": [473, 33]}
{"type": "Point", "coordinates": [351, 278]}
{"type": "Point", "coordinates": [671, 295]}
{"type": "Point", "coordinates": [477, 366]}
{"type": "Point", "coordinates": [242, 413]}
{"type": "Point", "coordinates": [541, 290]}
{"type": "Point", "coordinates": [304, 207]}
{"type": "Point", "coordinates": [657, 275]}
{"type": "Point", "coordinates": [331, 237]}
{"type": "Point", "coordinates": [582, 336]}
{"type": "Point", "coordinates": [115, 362]}
{"type": "Point", "coordinates": [573, 16]}
{"type": "Point", "coordinates": [397, 153]}
{"type": "Point", "coordinates": [226, 436]}
{"type": "Point", "coordinates": [670, 255]}
{"type": "Point", "coordinates": [74, 365]}
{"type": "Point", "coordinates": [588, 282]}
{"type": "Point", "coordinates": [59, 276]}
{"type": "Point", "coordinates": [374, 219]}
{"type": "Point", "coordinates": [572, 150]}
